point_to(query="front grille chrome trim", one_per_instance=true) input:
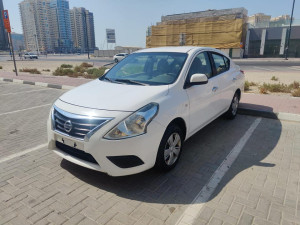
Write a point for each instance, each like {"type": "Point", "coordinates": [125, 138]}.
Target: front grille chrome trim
{"type": "Point", "coordinates": [82, 131]}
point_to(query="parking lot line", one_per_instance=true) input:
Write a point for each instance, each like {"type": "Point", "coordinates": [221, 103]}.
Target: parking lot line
{"type": "Point", "coordinates": [21, 110]}
{"type": "Point", "coordinates": [23, 153]}
{"type": "Point", "coordinates": [24, 92]}
{"type": "Point", "coordinates": [190, 215]}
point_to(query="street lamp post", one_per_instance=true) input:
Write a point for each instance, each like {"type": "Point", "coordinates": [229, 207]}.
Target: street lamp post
{"type": "Point", "coordinates": [289, 34]}
{"type": "Point", "coordinates": [87, 36]}
{"type": "Point", "coordinates": [37, 44]}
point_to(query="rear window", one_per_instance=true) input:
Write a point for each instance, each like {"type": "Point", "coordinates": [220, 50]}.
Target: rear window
{"type": "Point", "coordinates": [222, 64]}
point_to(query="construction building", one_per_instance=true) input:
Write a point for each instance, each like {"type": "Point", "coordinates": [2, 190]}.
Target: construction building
{"type": "Point", "coordinates": [83, 31]}
{"type": "Point", "coordinates": [222, 29]}
{"type": "Point", "coordinates": [3, 33]}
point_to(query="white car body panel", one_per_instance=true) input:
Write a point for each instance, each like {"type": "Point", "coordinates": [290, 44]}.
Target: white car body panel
{"type": "Point", "coordinates": [196, 106]}
{"type": "Point", "coordinates": [111, 96]}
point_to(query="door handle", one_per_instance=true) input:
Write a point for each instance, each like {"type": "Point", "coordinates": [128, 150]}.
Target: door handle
{"type": "Point", "coordinates": [215, 89]}
{"type": "Point", "coordinates": [234, 79]}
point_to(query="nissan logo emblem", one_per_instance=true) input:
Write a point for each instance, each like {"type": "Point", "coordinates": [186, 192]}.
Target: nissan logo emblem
{"type": "Point", "coordinates": [68, 126]}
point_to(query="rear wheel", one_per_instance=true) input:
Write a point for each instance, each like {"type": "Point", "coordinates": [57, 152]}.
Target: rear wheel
{"type": "Point", "coordinates": [116, 60]}
{"type": "Point", "coordinates": [170, 148]}
{"type": "Point", "coordinates": [232, 111]}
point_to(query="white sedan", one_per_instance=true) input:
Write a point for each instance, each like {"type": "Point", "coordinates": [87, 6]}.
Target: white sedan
{"type": "Point", "coordinates": [30, 55]}
{"type": "Point", "coordinates": [138, 115]}
{"type": "Point", "coordinates": [118, 57]}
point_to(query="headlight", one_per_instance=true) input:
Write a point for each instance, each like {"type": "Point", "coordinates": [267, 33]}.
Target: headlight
{"type": "Point", "coordinates": [52, 118]}
{"type": "Point", "coordinates": [135, 124]}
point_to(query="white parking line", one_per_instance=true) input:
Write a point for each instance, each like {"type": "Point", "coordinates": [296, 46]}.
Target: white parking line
{"type": "Point", "coordinates": [261, 68]}
{"type": "Point", "coordinates": [295, 68]}
{"type": "Point", "coordinates": [23, 92]}
{"type": "Point", "coordinates": [190, 215]}
{"type": "Point", "coordinates": [21, 110]}
{"type": "Point", "coordinates": [22, 153]}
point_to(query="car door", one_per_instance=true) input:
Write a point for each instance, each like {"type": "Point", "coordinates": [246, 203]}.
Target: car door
{"type": "Point", "coordinates": [225, 81]}
{"type": "Point", "coordinates": [202, 98]}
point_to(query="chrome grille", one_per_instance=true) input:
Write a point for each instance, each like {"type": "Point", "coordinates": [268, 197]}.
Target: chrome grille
{"type": "Point", "coordinates": [77, 126]}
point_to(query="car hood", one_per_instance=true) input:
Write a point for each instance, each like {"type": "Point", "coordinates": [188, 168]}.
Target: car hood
{"type": "Point", "coordinates": [104, 95]}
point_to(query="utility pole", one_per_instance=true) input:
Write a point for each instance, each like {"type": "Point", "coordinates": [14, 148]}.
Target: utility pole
{"type": "Point", "coordinates": [8, 29]}
{"type": "Point", "coordinates": [289, 34]}
{"type": "Point", "coordinates": [87, 36]}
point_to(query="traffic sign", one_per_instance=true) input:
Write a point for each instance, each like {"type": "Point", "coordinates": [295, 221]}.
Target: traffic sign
{"type": "Point", "coordinates": [6, 20]}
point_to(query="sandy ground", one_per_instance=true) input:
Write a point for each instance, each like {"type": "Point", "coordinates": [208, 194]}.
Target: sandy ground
{"type": "Point", "coordinates": [42, 63]}
{"type": "Point", "coordinates": [265, 77]}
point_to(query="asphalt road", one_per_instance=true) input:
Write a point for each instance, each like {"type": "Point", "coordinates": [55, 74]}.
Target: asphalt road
{"type": "Point", "coordinates": [38, 187]}
{"type": "Point", "coordinates": [265, 63]}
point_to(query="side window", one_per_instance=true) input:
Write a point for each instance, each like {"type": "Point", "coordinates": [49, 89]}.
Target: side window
{"type": "Point", "coordinates": [227, 62]}
{"type": "Point", "coordinates": [220, 65]}
{"type": "Point", "coordinates": [201, 64]}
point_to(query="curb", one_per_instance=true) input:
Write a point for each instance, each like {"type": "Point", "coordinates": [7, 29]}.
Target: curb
{"type": "Point", "coordinates": [242, 111]}
{"type": "Point", "coordinates": [271, 115]}
{"type": "Point", "coordinates": [41, 84]}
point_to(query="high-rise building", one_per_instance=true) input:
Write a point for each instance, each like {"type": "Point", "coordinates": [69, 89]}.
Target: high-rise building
{"type": "Point", "coordinates": [83, 31]}
{"type": "Point", "coordinates": [46, 25]}
{"type": "Point", "coordinates": [3, 33]}
{"type": "Point", "coordinates": [61, 26]}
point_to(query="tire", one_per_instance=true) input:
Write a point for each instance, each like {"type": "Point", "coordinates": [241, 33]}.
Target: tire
{"type": "Point", "coordinates": [232, 111]}
{"type": "Point", "coordinates": [170, 148]}
{"type": "Point", "coordinates": [116, 60]}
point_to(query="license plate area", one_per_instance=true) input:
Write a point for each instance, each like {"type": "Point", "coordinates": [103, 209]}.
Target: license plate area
{"type": "Point", "coordinates": [69, 142]}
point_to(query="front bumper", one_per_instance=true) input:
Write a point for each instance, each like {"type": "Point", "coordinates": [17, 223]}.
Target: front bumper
{"type": "Point", "coordinates": [110, 155]}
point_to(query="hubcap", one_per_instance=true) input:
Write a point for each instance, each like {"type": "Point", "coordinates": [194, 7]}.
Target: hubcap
{"type": "Point", "coordinates": [172, 149]}
{"type": "Point", "coordinates": [235, 104]}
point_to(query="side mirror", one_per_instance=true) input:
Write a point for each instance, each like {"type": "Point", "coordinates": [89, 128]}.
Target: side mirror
{"type": "Point", "coordinates": [198, 78]}
{"type": "Point", "coordinates": [106, 71]}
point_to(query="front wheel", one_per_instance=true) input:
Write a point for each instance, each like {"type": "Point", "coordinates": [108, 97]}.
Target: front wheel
{"type": "Point", "coordinates": [170, 148]}
{"type": "Point", "coordinates": [232, 111]}
{"type": "Point", "coordinates": [116, 60]}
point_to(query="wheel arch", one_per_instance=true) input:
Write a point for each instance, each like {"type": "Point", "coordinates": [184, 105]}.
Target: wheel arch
{"type": "Point", "coordinates": [181, 123]}
{"type": "Point", "coordinates": [238, 91]}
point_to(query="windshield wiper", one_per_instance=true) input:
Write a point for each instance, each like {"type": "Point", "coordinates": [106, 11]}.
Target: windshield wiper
{"type": "Point", "coordinates": [110, 80]}
{"type": "Point", "coordinates": [131, 82]}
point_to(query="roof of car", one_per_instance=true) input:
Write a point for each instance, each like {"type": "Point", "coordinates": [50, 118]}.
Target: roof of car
{"type": "Point", "coordinates": [183, 49]}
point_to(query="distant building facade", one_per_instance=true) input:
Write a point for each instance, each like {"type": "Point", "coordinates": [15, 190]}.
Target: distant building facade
{"type": "Point", "coordinates": [83, 30]}
{"type": "Point", "coordinates": [18, 41]}
{"type": "Point", "coordinates": [259, 20]}
{"type": "Point", "coordinates": [3, 33]}
{"type": "Point", "coordinates": [279, 21]}
{"type": "Point", "coordinates": [46, 25]}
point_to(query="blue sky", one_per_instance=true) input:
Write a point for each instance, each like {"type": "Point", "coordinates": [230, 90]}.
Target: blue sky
{"type": "Point", "coordinates": [130, 18]}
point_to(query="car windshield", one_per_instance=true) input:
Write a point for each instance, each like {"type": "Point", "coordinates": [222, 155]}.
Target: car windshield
{"type": "Point", "coordinates": [155, 68]}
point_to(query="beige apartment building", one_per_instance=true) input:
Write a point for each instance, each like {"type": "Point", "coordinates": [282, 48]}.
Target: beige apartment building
{"type": "Point", "coordinates": [83, 32]}
{"type": "Point", "coordinates": [35, 26]}
{"type": "Point", "coordinates": [46, 25]}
